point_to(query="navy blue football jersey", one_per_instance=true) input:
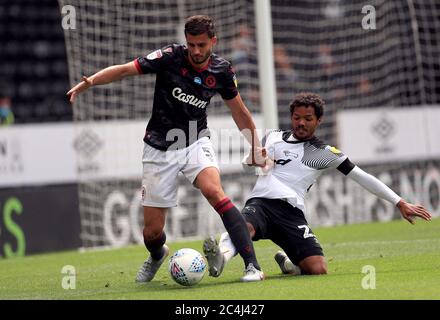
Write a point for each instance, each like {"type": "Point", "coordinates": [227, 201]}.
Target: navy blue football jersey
{"type": "Point", "coordinates": [182, 94]}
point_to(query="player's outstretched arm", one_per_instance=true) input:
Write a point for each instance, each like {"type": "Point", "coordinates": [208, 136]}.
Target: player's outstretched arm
{"type": "Point", "coordinates": [409, 211]}
{"type": "Point", "coordinates": [107, 75]}
{"type": "Point", "coordinates": [243, 119]}
{"type": "Point", "coordinates": [380, 189]}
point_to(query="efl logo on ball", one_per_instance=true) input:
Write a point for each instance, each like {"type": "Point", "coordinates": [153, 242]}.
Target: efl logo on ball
{"type": "Point", "coordinates": [187, 267]}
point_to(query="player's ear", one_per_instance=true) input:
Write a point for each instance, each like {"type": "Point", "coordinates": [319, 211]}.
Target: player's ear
{"type": "Point", "coordinates": [214, 40]}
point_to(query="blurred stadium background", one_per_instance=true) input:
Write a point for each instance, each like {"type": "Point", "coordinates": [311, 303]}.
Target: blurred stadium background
{"type": "Point", "coordinates": [70, 177]}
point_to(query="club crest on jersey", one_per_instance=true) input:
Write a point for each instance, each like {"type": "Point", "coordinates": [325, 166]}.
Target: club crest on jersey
{"type": "Point", "coordinates": [155, 55]}
{"type": "Point", "coordinates": [288, 153]}
{"type": "Point", "coordinates": [198, 80]}
{"type": "Point", "coordinates": [210, 81]}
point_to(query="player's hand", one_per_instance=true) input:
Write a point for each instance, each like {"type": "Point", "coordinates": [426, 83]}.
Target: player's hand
{"type": "Point", "coordinates": [409, 211]}
{"type": "Point", "coordinates": [269, 164]}
{"type": "Point", "coordinates": [264, 165]}
{"type": "Point", "coordinates": [80, 87]}
{"type": "Point", "coordinates": [257, 157]}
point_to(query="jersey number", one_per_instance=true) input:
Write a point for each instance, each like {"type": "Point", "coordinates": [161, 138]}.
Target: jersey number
{"type": "Point", "coordinates": [307, 233]}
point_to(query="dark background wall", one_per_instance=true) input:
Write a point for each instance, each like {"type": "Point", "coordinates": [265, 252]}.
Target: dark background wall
{"type": "Point", "coordinates": [38, 219]}
{"type": "Point", "coordinates": [33, 60]}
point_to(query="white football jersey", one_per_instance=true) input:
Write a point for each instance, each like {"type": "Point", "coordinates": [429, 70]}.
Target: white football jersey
{"type": "Point", "coordinates": [297, 166]}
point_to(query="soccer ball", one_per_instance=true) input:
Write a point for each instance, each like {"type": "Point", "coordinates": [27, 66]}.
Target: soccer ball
{"type": "Point", "coordinates": [187, 267]}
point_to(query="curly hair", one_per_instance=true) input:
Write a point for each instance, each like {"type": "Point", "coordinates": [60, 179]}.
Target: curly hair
{"type": "Point", "coordinates": [308, 99]}
{"type": "Point", "coordinates": [200, 24]}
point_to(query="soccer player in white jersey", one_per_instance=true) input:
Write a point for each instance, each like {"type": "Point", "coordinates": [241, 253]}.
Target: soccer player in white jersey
{"type": "Point", "coordinates": [275, 209]}
{"type": "Point", "coordinates": [187, 77]}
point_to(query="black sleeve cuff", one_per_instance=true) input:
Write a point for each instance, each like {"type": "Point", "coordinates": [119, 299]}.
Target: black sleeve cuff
{"type": "Point", "coordinates": [346, 166]}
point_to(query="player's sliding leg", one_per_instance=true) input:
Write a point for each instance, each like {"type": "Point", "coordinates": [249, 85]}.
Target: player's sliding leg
{"type": "Point", "coordinates": [313, 265]}
{"type": "Point", "coordinates": [225, 251]}
{"type": "Point", "coordinates": [208, 181]}
{"type": "Point", "coordinates": [227, 247]}
{"type": "Point", "coordinates": [154, 240]}
{"type": "Point", "coordinates": [229, 251]}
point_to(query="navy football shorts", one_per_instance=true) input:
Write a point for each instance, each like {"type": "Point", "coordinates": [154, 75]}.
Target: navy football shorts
{"type": "Point", "coordinates": [285, 225]}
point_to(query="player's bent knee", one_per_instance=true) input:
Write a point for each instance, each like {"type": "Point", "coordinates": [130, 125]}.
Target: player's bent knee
{"type": "Point", "coordinates": [251, 229]}
{"type": "Point", "coordinates": [313, 265]}
{"type": "Point", "coordinates": [318, 268]}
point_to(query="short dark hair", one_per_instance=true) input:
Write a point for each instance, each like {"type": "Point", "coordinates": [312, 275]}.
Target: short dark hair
{"type": "Point", "coordinates": [308, 99]}
{"type": "Point", "coordinates": [200, 24]}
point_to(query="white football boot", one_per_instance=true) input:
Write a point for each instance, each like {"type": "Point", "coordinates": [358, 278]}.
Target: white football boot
{"type": "Point", "coordinates": [149, 269]}
{"type": "Point", "coordinates": [252, 274]}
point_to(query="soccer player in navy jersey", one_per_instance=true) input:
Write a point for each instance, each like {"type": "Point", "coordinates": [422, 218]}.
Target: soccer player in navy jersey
{"type": "Point", "coordinates": [275, 209]}
{"type": "Point", "coordinates": [187, 77]}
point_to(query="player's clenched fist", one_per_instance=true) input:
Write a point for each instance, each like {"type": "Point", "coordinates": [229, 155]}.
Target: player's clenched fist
{"type": "Point", "coordinates": [258, 157]}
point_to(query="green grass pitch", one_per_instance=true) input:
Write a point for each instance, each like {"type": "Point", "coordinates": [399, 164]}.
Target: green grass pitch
{"type": "Point", "coordinates": [406, 259]}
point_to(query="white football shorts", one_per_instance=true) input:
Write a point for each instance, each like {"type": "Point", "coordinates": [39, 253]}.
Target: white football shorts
{"type": "Point", "coordinates": [161, 170]}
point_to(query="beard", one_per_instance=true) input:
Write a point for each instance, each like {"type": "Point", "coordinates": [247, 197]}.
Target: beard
{"type": "Point", "coordinates": [202, 59]}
